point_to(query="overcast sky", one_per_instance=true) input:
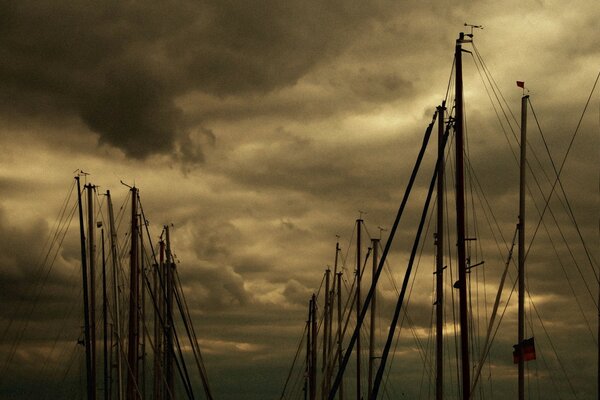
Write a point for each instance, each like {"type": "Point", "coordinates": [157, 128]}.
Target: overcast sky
{"type": "Point", "coordinates": [259, 130]}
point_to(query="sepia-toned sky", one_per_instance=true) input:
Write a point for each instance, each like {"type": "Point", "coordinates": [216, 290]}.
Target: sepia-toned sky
{"type": "Point", "coordinates": [259, 130]}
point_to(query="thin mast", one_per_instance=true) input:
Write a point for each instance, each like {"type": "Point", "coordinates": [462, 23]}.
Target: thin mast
{"type": "Point", "coordinates": [460, 222]}
{"type": "Point", "coordinates": [313, 348]}
{"type": "Point", "coordinates": [332, 360]}
{"type": "Point", "coordinates": [117, 317]}
{"type": "Point", "coordinates": [339, 320]}
{"type": "Point", "coordinates": [92, 260]}
{"type": "Point", "coordinates": [142, 319]}
{"type": "Point", "coordinates": [439, 277]}
{"type": "Point", "coordinates": [132, 376]}
{"type": "Point", "coordinates": [169, 348]}
{"type": "Point", "coordinates": [307, 370]}
{"type": "Point", "coordinates": [521, 329]}
{"type": "Point", "coordinates": [105, 323]}
{"type": "Point", "coordinates": [86, 312]}
{"type": "Point", "coordinates": [326, 334]}
{"type": "Point", "coordinates": [158, 320]}
{"type": "Point", "coordinates": [375, 245]}
{"type": "Point", "coordinates": [358, 306]}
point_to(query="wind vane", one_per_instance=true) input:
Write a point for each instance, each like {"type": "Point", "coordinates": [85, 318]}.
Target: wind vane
{"type": "Point", "coordinates": [473, 27]}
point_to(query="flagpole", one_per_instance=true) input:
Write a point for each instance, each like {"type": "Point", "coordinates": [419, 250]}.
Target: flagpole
{"type": "Point", "coordinates": [521, 327]}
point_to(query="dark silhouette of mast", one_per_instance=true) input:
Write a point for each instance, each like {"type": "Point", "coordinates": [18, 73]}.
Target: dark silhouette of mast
{"type": "Point", "coordinates": [159, 318]}
{"type": "Point", "coordinates": [92, 280]}
{"type": "Point", "coordinates": [439, 270]}
{"type": "Point", "coordinates": [358, 305]}
{"type": "Point", "coordinates": [307, 361]}
{"type": "Point", "coordinates": [326, 333]}
{"type": "Point", "coordinates": [375, 249]}
{"type": "Point", "coordinates": [115, 264]}
{"type": "Point", "coordinates": [460, 220]}
{"type": "Point", "coordinates": [142, 309]}
{"type": "Point", "coordinates": [523, 165]}
{"type": "Point", "coordinates": [312, 380]}
{"type": "Point", "coordinates": [339, 320]}
{"type": "Point", "coordinates": [169, 348]}
{"type": "Point", "coordinates": [105, 323]}
{"type": "Point", "coordinates": [91, 390]}
{"type": "Point", "coordinates": [132, 375]}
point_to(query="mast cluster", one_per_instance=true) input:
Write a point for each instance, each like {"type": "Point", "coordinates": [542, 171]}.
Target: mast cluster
{"type": "Point", "coordinates": [333, 381]}
{"type": "Point", "coordinates": [142, 358]}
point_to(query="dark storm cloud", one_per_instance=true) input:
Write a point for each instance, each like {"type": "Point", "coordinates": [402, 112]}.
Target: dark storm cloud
{"type": "Point", "coordinates": [121, 66]}
{"type": "Point", "coordinates": [19, 245]}
{"type": "Point", "coordinates": [29, 265]}
{"type": "Point", "coordinates": [287, 161]}
{"type": "Point", "coordinates": [215, 287]}
{"type": "Point", "coordinates": [296, 293]}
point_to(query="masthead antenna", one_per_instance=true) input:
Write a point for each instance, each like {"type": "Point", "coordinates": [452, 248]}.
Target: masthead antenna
{"type": "Point", "coordinates": [473, 27]}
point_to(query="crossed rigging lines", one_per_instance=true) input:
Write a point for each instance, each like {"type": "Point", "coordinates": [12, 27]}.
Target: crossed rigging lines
{"type": "Point", "coordinates": [555, 182]}
{"type": "Point", "coordinates": [69, 355]}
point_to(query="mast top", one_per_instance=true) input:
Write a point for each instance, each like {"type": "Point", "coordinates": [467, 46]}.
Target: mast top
{"type": "Point", "coordinates": [473, 27]}
{"type": "Point", "coordinates": [461, 36]}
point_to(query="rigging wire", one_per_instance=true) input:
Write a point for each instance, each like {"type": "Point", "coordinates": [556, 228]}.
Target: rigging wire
{"type": "Point", "coordinates": [56, 244]}
{"type": "Point", "coordinates": [562, 165]}
{"type": "Point", "coordinates": [568, 203]}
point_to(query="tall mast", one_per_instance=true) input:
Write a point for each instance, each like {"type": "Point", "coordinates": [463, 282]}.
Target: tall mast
{"type": "Point", "coordinates": [439, 266]}
{"type": "Point", "coordinates": [375, 245]}
{"type": "Point", "coordinates": [331, 302]}
{"type": "Point", "coordinates": [460, 221]}
{"type": "Point", "coordinates": [86, 304]}
{"type": "Point", "coordinates": [521, 328]}
{"type": "Point", "coordinates": [326, 334]}
{"type": "Point", "coordinates": [308, 347]}
{"type": "Point", "coordinates": [105, 324]}
{"type": "Point", "coordinates": [92, 260]}
{"type": "Point", "coordinates": [132, 376]}
{"type": "Point", "coordinates": [358, 306]}
{"type": "Point", "coordinates": [339, 320]}
{"type": "Point", "coordinates": [332, 358]}
{"type": "Point", "coordinates": [313, 348]}
{"type": "Point", "coordinates": [158, 321]}
{"type": "Point", "coordinates": [117, 317]}
{"type": "Point", "coordinates": [142, 319]}
{"type": "Point", "coordinates": [169, 348]}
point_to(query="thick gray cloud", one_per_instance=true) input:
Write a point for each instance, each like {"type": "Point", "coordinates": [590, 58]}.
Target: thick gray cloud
{"type": "Point", "coordinates": [120, 67]}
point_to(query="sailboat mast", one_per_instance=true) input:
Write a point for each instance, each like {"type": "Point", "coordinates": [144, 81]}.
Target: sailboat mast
{"type": "Point", "coordinates": [522, 164]}
{"type": "Point", "coordinates": [439, 266]}
{"type": "Point", "coordinates": [105, 323]}
{"type": "Point", "coordinates": [358, 305]}
{"type": "Point", "coordinates": [331, 303]}
{"type": "Point", "coordinates": [132, 376]}
{"type": "Point", "coordinates": [307, 361]}
{"type": "Point", "coordinates": [326, 334]}
{"type": "Point", "coordinates": [375, 246]}
{"type": "Point", "coordinates": [339, 320]}
{"type": "Point", "coordinates": [460, 221]}
{"type": "Point", "coordinates": [142, 300]}
{"type": "Point", "coordinates": [159, 319]}
{"type": "Point", "coordinates": [92, 261]}
{"type": "Point", "coordinates": [117, 317]}
{"type": "Point", "coordinates": [169, 348]}
{"type": "Point", "coordinates": [313, 348]}
{"type": "Point", "coordinates": [86, 304]}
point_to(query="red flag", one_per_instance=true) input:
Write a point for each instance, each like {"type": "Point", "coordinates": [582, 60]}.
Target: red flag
{"type": "Point", "coordinates": [528, 346]}
{"type": "Point", "coordinates": [521, 84]}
